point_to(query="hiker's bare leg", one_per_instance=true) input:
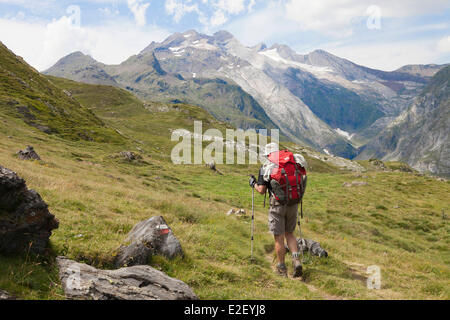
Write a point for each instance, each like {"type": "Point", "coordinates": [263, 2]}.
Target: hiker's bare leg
{"type": "Point", "coordinates": [291, 242]}
{"type": "Point", "coordinates": [279, 247]}
{"type": "Point", "coordinates": [293, 246]}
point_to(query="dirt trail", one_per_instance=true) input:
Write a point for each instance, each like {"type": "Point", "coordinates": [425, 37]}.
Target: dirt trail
{"type": "Point", "coordinates": [311, 287]}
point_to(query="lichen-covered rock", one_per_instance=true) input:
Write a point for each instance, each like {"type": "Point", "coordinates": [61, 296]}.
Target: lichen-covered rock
{"type": "Point", "coordinates": [83, 282]}
{"type": "Point", "coordinates": [28, 154]}
{"type": "Point", "coordinates": [25, 222]}
{"type": "Point", "coordinates": [149, 237]}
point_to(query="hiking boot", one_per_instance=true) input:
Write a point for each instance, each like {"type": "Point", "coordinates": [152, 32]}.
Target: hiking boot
{"type": "Point", "coordinates": [281, 269]}
{"type": "Point", "coordinates": [298, 270]}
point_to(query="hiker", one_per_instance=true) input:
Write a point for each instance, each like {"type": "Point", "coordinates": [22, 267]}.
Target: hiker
{"type": "Point", "coordinates": [282, 212]}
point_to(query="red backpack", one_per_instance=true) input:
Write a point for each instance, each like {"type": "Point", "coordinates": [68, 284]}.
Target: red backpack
{"type": "Point", "coordinates": [288, 178]}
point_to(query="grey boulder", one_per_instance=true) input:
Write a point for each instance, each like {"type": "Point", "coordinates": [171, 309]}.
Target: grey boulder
{"type": "Point", "coordinates": [6, 296]}
{"type": "Point", "coordinates": [147, 238]}
{"type": "Point", "coordinates": [311, 246]}
{"type": "Point", "coordinates": [83, 282]}
{"type": "Point", "coordinates": [28, 154]}
{"type": "Point", "coordinates": [25, 222]}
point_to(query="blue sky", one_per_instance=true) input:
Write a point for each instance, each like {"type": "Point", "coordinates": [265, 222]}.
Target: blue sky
{"type": "Point", "coordinates": [383, 34]}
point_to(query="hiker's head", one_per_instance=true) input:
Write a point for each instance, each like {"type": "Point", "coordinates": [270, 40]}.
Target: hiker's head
{"type": "Point", "coordinates": [271, 147]}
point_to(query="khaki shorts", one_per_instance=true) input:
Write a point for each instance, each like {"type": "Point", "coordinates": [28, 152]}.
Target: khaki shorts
{"type": "Point", "coordinates": [282, 218]}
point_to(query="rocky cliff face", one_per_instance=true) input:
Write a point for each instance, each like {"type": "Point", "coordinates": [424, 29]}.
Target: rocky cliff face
{"type": "Point", "coordinates": [420, 135]}
{"type": "Point", "coordinates": [25, 222]}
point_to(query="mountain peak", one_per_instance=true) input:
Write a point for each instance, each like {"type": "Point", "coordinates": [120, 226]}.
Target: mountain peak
{"type": "Point", "coordinates": [321, 52]}
{"type": "Point", "coordinates": [260, 46]}
{"type": "Point", "coordinates": [222, 35]}
{"type": "Point", "coordinates": [76, 54]}
{"type": "Point", "coordinates": [189, 33]}
{"type": "Point", "coordinates": [75, 58]}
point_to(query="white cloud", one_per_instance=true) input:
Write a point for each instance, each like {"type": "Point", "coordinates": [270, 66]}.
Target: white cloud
{"type": "Point", "coordinates": [338, 17]}
{"type": "Point", "coordinates": [109, 12]}
{"type": "Point", "coordinates": [251, 4]}
{"type": "Point", "coordinates": [218, 18]}
{"type": "Point", "coordinates": [391, 56]}
{"type": "Point", "coordinates": [42, 44]}
{"type": "Point", "coordinates": [330, 17]}
{"type": "Point", "coordinates": [139, 9]}
{"type": "Point", "coordinates": [178, 8]}
{"type": "Point", "coordinates": [261, 25]}
{"type": "Point", "coordinates": [444, 45]}
{"type": "Point", "coordinates": [211, 13]}
{"type": "Point", "coordinates": [230, 6]}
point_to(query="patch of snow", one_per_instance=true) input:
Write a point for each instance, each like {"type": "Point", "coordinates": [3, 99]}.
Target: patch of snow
{"type": "Point", "coordinates": [344, 134]}
{"type": "Point", "coordinates": [274, 55]}
{"type": "Point", "coordinates": [204, 46]}
{"type": "Point", "coordinates": [194, 75]}
{"type": "Point", "coordinates": [327, 152]}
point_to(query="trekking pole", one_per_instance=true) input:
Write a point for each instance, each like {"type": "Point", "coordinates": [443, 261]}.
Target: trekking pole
{"type": "Point", "coordinates": [253, 219]}
{"type": "Point", "coordinates": [300, 231]}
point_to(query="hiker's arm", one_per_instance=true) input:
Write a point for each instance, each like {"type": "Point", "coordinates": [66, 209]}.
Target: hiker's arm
{"type": "Point", "coordinates": [260, 188]}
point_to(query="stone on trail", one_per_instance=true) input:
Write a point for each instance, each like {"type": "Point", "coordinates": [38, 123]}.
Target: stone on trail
{"type": "Point", "coordinates": [83, 282]}
{"type": "Point", "coordinates": [147, 238]}
{"type": "Point", "coordinates": [25, 222]}
{"type": "Point", "coordinates": [28, 154]}
{"type": "Point", "coordinates": [311, 246]}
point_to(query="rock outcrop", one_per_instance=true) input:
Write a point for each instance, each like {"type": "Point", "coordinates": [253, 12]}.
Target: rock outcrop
{"type": "Point", "coordinates": [130, 156]}
{"type": "Point", "coordinates": [83, 282]}
{"type": "Point", "coordinates": [25, 222]}
{"type": "Point", "coordinates": [28, 154]}
{"type": "Point", "coordinates": [6, 296]}
{"type": "Point", "coordinates": [419, 136]}
{"type": "Point", "coordinates": [147, 238]}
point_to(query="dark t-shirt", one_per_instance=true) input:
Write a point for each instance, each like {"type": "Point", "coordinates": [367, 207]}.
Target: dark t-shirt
{"type": "Point", "coordinates": [261, 181]}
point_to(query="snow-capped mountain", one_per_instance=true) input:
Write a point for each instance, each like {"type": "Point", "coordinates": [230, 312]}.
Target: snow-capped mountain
{"type": "Point", "coordinates": [317, 99]}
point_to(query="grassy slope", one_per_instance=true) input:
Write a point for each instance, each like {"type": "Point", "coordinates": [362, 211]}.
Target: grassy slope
{"type": "Point", "coordinates": [26, 94]}
{"type": "Point", "coordinates": [394, 222]}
